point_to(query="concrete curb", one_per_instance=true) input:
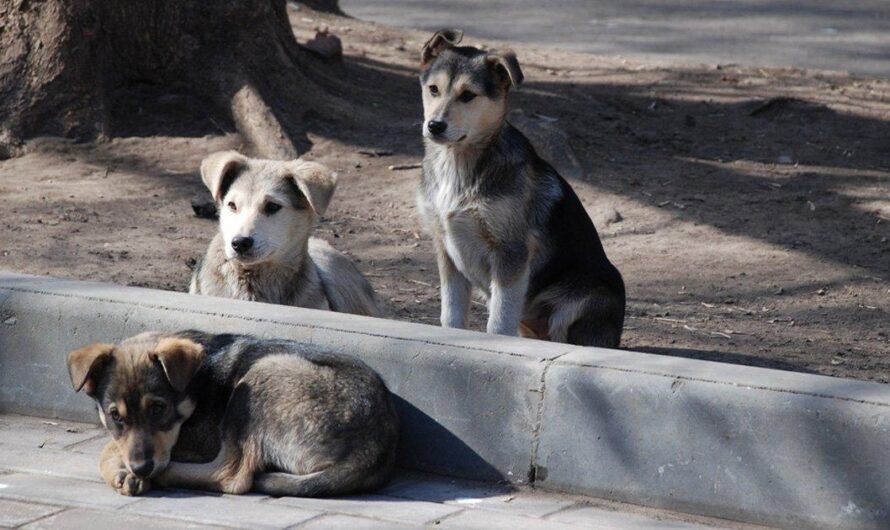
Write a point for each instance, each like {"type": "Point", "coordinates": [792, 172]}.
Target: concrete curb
{"type": "Point", "coordinates": [729, 441]}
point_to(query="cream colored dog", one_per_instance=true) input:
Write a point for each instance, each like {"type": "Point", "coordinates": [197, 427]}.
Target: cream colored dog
{"type": "Point", "coordinates": [263, 251]}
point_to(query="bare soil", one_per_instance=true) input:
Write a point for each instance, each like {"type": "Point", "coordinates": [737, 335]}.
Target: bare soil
{"type": "Point", "coordinates": [748, 209]}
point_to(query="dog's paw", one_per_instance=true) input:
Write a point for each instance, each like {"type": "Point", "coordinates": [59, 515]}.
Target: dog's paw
{"type": "Point", "coordinates": [129, 484]}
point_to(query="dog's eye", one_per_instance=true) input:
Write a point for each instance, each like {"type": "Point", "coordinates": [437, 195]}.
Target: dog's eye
{"type": "Point", "coordinates": [232, 206]}
{"type": "Point", "coordinates": [434, 90]}
{"type": "Point", "coordinates": [466, 97]}
{"type": "Point", "coordinates": [156, 410]}
{"type": "Point", "coordinates": [115, 415]}
{"type": "Point", "coordinates": [271, 208]}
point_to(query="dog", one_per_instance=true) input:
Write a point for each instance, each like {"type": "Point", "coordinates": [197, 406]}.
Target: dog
{"type": "Point", "coordinates": [263, 250]}
{"type": "Point", "coordinates": [503, 220]}
{"type": "Point", "coordinates": [232, 414]}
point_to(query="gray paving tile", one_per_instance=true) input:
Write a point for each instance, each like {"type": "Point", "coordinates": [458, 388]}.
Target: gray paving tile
{"type": "Point", "coordinates": [228, 510]}
{"type": "Point", "coordinates": [15, 513]}
{"type": "Point", "coordinates": [600, 518]}
{"type": "Point", "coordinates": [49, 462]}
{"type": "Point", "coordinates": [467, 494]}
{"type": "Point", "coordinates": [375, 506]}
{"type": "Point", "coordinates": [79, 519]}
{"type": "Point", "coordinates": [57, 490]}
{"type": "Point", "coordinates": [339, 522]}
{"type": "Point", "coordinates": [491, 520]}
{"type": "Point", "coordinates": [41, 433]}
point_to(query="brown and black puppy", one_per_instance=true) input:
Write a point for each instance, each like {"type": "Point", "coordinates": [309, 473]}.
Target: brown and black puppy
{"type": "Point", "coordinates": [232, 413]}
{"type": "Point", "coordinates": [503, 221]}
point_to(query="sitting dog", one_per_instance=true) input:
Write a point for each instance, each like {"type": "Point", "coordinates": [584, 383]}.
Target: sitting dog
{"type": "Point", "coordinates": [230, 413]}
{"type": "Point", "coordinates": [501, 218]}
{"type": "Point", "coordinates": [263, 251]}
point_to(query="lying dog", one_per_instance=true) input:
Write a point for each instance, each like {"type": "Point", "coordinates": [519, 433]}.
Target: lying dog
{"type": "Point", "coordinates": [263, 251]}
{"type": "Point", "coordinates": [501, 218]}
{"type": "Point", "coordinates": [261, 415]}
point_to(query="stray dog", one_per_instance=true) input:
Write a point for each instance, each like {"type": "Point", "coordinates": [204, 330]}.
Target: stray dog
{"type": "Point", "coordinates": [263, 251]}
{"type": "Point", "coordinates": [259, 415]}
{"type": "Point", "coordinates": [501, 218]}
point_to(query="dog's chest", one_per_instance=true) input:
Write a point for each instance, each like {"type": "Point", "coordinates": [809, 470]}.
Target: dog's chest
{"type": "Point", "coordinates": [459, 215]}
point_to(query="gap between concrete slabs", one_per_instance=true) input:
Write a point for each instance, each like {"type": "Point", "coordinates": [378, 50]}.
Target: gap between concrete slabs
{"type": "Point", "coordinates": [738, 442]}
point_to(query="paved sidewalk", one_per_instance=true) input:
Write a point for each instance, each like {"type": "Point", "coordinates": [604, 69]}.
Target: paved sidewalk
{"type": "Point", "coordinates": [48, 479]}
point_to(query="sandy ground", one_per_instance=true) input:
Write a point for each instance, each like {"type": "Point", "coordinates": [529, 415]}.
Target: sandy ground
{"type": "Point", "coordinates": [748, 209]}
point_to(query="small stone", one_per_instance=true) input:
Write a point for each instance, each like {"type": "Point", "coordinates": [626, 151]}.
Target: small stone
{"type": "Point", "coordinates": [11, 321]}
{"type": "Point", "coordinates": [204, 206]}
{"type": "Point", "coordinates": [821, 292]}
{"type": "Point", "coordinates": [326, 45]}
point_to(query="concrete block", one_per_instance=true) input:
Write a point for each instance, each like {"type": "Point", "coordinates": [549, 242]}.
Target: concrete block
{"type": "Point", "coordinates": [226, 510]}
{"type": "Point", "coordinates": [728, 441]}
{"type": "Point", "coordinates": [338, 522]}
{"type": "Point", "coordinates": [16, 513]}
{"type": "Point", "coordinates": [595, 518]}
{"type": "Point", "coordinates": [375, 507]}
{"type": "Point", "coordinates": [487, 520]}
{"type": "Point", "coordinates": [49, 462]}
{"type": "Point", "coordinates": [79, 519]}
{"type": "Point", "coordinates": [60, 491]}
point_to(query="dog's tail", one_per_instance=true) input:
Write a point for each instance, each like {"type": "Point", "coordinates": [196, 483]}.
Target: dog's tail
{"type": "Point", "coordinates": [335, 480]}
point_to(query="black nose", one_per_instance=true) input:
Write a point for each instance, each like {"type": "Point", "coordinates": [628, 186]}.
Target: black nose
{"type": "Point", "coordinates": [144, 469]}
{"type": "Point", "coordinates": [242, 244]}
{"type": "Point", "coordinates": [436, 126]}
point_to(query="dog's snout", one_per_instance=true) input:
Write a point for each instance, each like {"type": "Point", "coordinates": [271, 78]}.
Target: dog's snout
{"type": "Point", "coordinates": [143, 469]}
{"type": "Point", "coordinates": [436, 126]}
{"type": "Point", "coordinates": [242, 244]}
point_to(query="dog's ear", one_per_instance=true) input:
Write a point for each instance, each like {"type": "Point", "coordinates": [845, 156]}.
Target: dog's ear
{"type": "Point", "coordinates": [507, 67]}
{"type": "Point", "coordinates": [441, 40]}
{"type": "Point", "coordinates": [180, 359]}
{"type": "Point", "coordinates": [86, 364]}
{"type": "Point", "coordinates": [315, 181]}
{"type": "Point", "coordinates": [219, 171]}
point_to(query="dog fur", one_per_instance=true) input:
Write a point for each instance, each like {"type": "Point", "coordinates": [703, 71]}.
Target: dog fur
{"type": "Point", "coordinates": [232, 414]}
{"type": "Point", "coordinates": [503, 220]}
{"type": "Point", "coordinates": [283, 264]}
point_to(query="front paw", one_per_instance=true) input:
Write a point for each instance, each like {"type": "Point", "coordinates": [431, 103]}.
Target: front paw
{"type": "Point", "coordinates": [129, 484]}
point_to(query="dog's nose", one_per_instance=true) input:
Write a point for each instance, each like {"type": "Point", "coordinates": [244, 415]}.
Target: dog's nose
{"type": "Point", "coordinates": [242, 244]}
{"type": "Point", "coordinates": [436, 126]}
{"type": "Point", "coordinates": [142, 470]}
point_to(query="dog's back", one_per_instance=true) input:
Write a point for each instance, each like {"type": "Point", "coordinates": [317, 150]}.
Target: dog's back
{"type": "Point", "coordinates": [347, 290]}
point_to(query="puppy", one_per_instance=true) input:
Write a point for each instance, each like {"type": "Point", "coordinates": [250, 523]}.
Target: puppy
{"type": "Point", "coordinates": [230, 413]}
{"type": "Point", "coordinates": [502, 219]}
{"type": "Point", "coordinates": [263, 251]}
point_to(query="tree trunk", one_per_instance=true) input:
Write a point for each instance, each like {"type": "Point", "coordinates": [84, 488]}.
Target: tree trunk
{"type": "Point", "coordinates": [85, 68]}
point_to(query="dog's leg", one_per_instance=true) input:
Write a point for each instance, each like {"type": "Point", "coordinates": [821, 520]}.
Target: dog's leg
{"type": "Point", "coordinates": [509, 285]}
{"type": "Point", "coordinates": [456, 291]}
{"type": "Point", "coordinates": [230, 472]}
{"type": "Point", "coordinates": [115, 472]}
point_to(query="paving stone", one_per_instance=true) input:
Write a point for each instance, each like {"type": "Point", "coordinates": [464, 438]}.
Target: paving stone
{"type": "Point", "coordinates": [600, 518]}
{"type": "Point", "coordinates": [44, 434]}
{"type": "Point", "coordinates": [339, 522]}
{"type": "Point", "coordinates": [228, 510]}
{"type": "Point", "coordinates": [467, 494]}
{"type": "Point", "coordinates": [90, 447]}
{"type": "Point", "coordinates": [78, 519]}
{"type": "Point", "coordinates": [15, 513]}
{"type": "Point", "coordinates": [489, 520]}
{"type": "Point", "coordinates": [375, 506]}
{"type": "Point", "coordinates": [57, 490]}
{"type": "Point", "coordinates": [49, 462]}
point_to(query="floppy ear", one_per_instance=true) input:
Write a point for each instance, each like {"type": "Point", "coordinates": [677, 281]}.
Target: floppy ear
{"type": "Point", "coordinates": [180, 359]}
{"type": "Point", "coordinates": [86, 364]}
{"type": "Point", "coordinates": [219, 170]}
{"type": "Point", "coordinates": [441, 40]}
{"type": "Point", "coordinates": [506, 64]}
{"type": "Point", "coordinates": [315, 181]}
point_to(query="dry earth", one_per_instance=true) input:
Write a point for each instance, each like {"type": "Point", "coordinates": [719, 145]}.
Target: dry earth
{"type": "Point", "coordinates": [748, 209]}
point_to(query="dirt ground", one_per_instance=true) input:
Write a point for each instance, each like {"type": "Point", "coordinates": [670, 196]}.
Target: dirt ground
{"type": "Point", "coordinates": [747, 209]}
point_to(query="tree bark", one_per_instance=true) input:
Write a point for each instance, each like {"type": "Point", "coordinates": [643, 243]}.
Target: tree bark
{"type": "Point", "coordinates": [73, 68]}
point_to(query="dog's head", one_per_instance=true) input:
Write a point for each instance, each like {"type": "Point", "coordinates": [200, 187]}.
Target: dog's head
{"type": "Point", "coordinates": [266, 207]}
{"type": "Point", "coordinates": [464, 89]}
{"type": "Point", "coordinates": [140, 387]}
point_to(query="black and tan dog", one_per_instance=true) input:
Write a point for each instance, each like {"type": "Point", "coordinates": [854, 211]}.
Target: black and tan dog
{"type": "Point", "coordinates": [502, 219]}
{"type": "Point", "coordinates": [232, 413]}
